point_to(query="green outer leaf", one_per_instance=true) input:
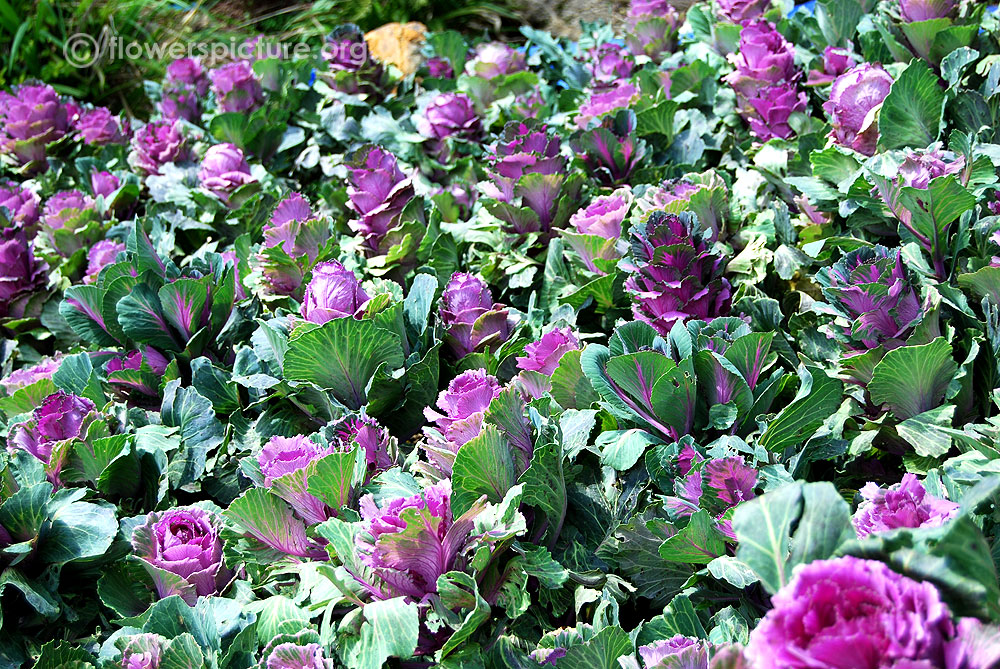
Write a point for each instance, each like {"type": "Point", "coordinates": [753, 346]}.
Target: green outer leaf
{"type": "Point", "coordinates": [545, 485]}
{"type": "Point", "coordinates": [141, 317]}
{"type": "Point", "coordinates": [483, 466]}
{"type": "Point", "coordinates": [78, 530]}
{"type": "Point", "coordinates": [342, 356]}
{"type": "Point", "coordinates": [76, 375]}
{"type": "Point", "coordinates": [86, 319]}
{"type": "Point", "coordinates": [390, 629]}
{"type": "Point", "coordinates": [913, 379]}
{"type": "Point", "coordinates": [912, 111]}
{"type": "Point", "coordinates": [200, 431]}
{"type": "Point", "coordinates": [459, 590]}
{"type": "Point", "coordinates": [825, 524]}
{"type": "Point", "coordinates": [331, 476]}
{"type": "Point", "coordinates": [762, 526]}
{"type": "Point", "coordinates": [928, 432]}
{"type": "Point", "coordinates": [570, 387]}
{"type": "Point", "coordinates": [601, 652]}
{"type": "Point", "coordinates": [266, 517]}
{"type": "Point", "coordinates": [698, 543]}
{"type": "Point", "coordinates": [811, 406]}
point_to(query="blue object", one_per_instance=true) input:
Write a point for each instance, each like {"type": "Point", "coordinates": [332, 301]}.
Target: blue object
{"type": "Point", "coordinates": [807, 7]}
{"type": "Point", "coordinates": [312, 77]}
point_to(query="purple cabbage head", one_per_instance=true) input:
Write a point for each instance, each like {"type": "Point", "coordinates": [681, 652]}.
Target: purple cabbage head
{"type": "Point", "coordinates": [409, 542]}
{"type": "Point", "coordinates": [730, 481]}
{"type": "Point", "coordinates": [136, 375]}
{"type": "Point", "coordinates": [742, 11]}
{"type": "Point", "coordinates": [300, 235]}
{"type": "Point", "coordinates": [493, 59]}
{"type": "Point", "coordinates": [473, 322]}
{"type": "Point", "coordinates": [31, 117]}
{"type": "Point", "coordinates": [223, 170]}
{"type": "Point", "coordinates": [188, 71]}
{"type": "Point", "coordinates": [183, 90]}
{"type": "Point", "coordinates": [872, 289]}
{"type": "Point", "coordinates": [69, 222]}
{"type": "Point", "coordinates": [378, 193]}
{"type": "Point", "coordinates": [283, 462]}
{"type": "Point", "coordinates": [608, 64]}
{"type": "Point", "coordinates": [236, 87]}
{"type": "Point", "coordinates": [449, 116]}
{"type": "Point", "coordinates": [606, 101]}
{"type": "Point", "coordinates": [375, 440]}
{"type": "Point", "coordinates": [674, 273]}
{"type": "Point", "coordinates": [597, 229]}
{"type": "Point", "coordinates": [99, 256]}
{"type": "Point", "coordinates": [351, 69]}
{"type": "Point", "coordinates": [652, 28]}
{"type": "Point", "coordinates": [677, 652]}
{"type": "Point", "coordinates": [853, 99]}
{"type": "Point", "coordinates": [184, 542]}
{"type": "Point", "coordinates": [333, 292]}
{"type": "Point", "coordinates": [765, 58]}
{"type": "Point", "coordinates": [543, 356]}
{"type": "Point", "coordinates": [99, 126]}
{"type": "Point", "coordinates": [905, 504]}
{"type": "Point", "coordinates": [848, 612]}
{"type": "Point", "coordinates": [21, 378]}
{"type": "Point", "coordinates": [143, 652]}
{"type": "Point", "coordinates": [439, 68]}
{"type": "Point", "coordinates": [103, 183]}
{"type": "Point", "coordinates": [20, 273]}
{"type": "Point", "coordinates": [459, 416]}
{"type": "Point", "coordinates": [912, 11]}
{"type": "Point", "coordinates": [62, 417]}
{"type": "Point", "coordinates": [836, 61]}
{"type": "Point", "coordinates": [22, 203]}
{"type": "Point", "coordinates": [291, 655]}
{"type": "Point", "coordinates": [705, 195]}
{"type": "Point", "coordinates": [773, 106]}
{"type": "Point", "coordinates": [156, 144]}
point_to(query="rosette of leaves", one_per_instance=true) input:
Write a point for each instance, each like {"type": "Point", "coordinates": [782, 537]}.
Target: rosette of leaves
{"type": "Point", "coordinates": [53, 544]}
{"type": "Point", "coordinates": [705, 195]}
{"type": "Point", "coordinates": [703, 378]}
{"type": "Point", "coordinates": [612, 151]}
{"type": "Point", "coordinates": [147, 300]}
{"type": "Point", "coordinates": [386, 361]}
{"type": "Point", "coordinates": [930, 29]}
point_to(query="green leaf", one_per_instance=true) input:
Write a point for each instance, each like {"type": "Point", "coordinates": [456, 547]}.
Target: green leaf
{"type": "Point", "coordinates": [483, 466]}
{"type": "Point", "coordinates": [76, 375]}
{"type": "Point", "coordinates": [537, 561]}
{"type": "Point", "coordinates": [621, 449]}
{"type": "Point", "coordinates": [81, 307]}
{"type": "Point", "coordinates": [912, 112]}
{"type": "Point", "coordinates": [545, 485]}
{"type": "Point", "coordinates": [141, 317]}
{"type": "Point", "coordinates": [818, 398]}
{"type": "Point", "coordinates": [838, 20]}
{"type": "Point", "coordinates": [390, 629]}
{"type": "Point", "coordinates": [61, 655]}
{"type": "Point", "coordinates": [732, 571]}
{"type": "Point", "coordinates": [23, 513]}
{"type": "Point", "coordinates": [601, 652]}
{"type": "Point", "coordinates": [78, 530]}
{"type": "Point", "coordinates": [26, 399]}
{"type": "Point", "coordinates": [985, 282]}
{"type": "Point", "coordinates": [459, 591]}
{"type": "Point", "coordinates": [215, 385]}
{"type": "Point", "coordinates": [182, 652]}
{"type": "Point", "coordinates": [698, 543]}
{"type": "Point", "coordinates": [570, 387]}
{"type": "Point", "coordinates": [122, 588]}
{"type": "Point", "coordinates": [279, 615]}
{"type": "Point", "coordinates": [341, 356]}
{"type": "Point", "coordinates": [935, 208]}
{"type": "Point", "coordinates": [200, 431]}
{"type": "Point", "coordinates": [267, 518]}
{"type": "Point", "coordinates": [913, 379]}
{"type": "Point", "coordinates": [929, 432]}
{"type": "Point", "coordinates": [331, 477]}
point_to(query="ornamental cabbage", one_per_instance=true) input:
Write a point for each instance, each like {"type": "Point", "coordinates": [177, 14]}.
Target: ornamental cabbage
{"type": "Point", "coordinates": [904, 504]}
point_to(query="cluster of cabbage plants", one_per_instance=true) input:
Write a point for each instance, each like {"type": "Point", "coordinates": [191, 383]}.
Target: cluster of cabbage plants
{"type": "Point", "coordinates": [674, 348]}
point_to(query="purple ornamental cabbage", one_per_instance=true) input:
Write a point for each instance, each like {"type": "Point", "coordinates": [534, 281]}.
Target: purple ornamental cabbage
{"type": "Point", "coordinates": [731, 481]}
{"type": "Point", "coordinates": [494, 59]}
{"type": "Point", "coordinates": [283, 462]}
{"type": "Point", "coordinates": [375, 440]}
{"type": "Point", "coordinates": [351, 70]}
{"type": "Point", "coordinates": [528, 179]}
{"type": "Point", "coordinates": [773, 106]}
{"type": "Point", "coordinates": [236, 87]}
{"type": "Point", "coordinates": [675, 275]}
{"type": "Point", "coordinates": [541, 358]}
{"type": "Point", "coordinates": [20, 274]}
{"type": "Point", "coordinates": [439, 68]}
{"type": "Point", "coordinates": [742, 11]}
{"type": "Point", "coordinates": [854, 97]}
{"type": "Point", "coordinates": [188, 71]}
{"type": "Point", "coordinates": [378, 193]}
{"type": "Point", "coordinates": [472, 320]}
{"type": "Point", "coordinates": [21, 378]}
{"type": "Point", "coordinates": [604, 102]}
{"type": "Point", "coordinates": [155, 144]}
{"type": "Point", "coordinates": [143, 652]}
{"type": "Point", "coordinates": [299, 235]}
{"type": "Point", "coordinates": [182, 551]}
{"type": "Point", "coordinates": [69, 222]}
{"type": "Point", "coordinates": [765, 58]}
{"type": "Point", "coordinates": [99, 126]}
{"type": "Point", "coordinates": [21, 203]}
{"type": "Point", "coordinates": [917, 170]}
{"type": "Point", "coordinates": [610, 151]}
{"type": "Point", "coordinates": [409, 542]}
{"type": "Point", "coordinates": [459, 418]}
{"type": "Point", "coordinates": [183, 89]}
{"type": "Point", "coordinates": [103, 183]}
{"type": "Point", "coordinates": [685, 194]}
{"type": "Point", "coordinates": [223, 170]}
{"type": "Point", "coordinates": [677, 652]}
{"type": "Point", "coordinates": [60, 419]}
{"type": "Point", "coordinates": [333, 292]}
{"type": "Point", "coordinates": [598, 227]}
{"type": "Point", "coordinates": [872, 289]}
{"type": "Point", "coordinates": [608, 64]}
{"type": "Point", "coordinates": [912, 11]}
{"type": "Point", "coordinates": [836, 61]}
{"type": "Point", "coordinates": [291, 655]}
{"type": "Point", "coordinates": [137, 374]}
{"type": "Point", "coordinates": [652, 28]}
{"type": "Point", "coordinates": [904, 504]}
{"type": "Point", "coordinates": [99, 256]}
{"type": "Point", "coordinates": [31, 117]}
{"type": "Point", "coordinates": [848, 613]}
{"type": "Point", "coordinates": [449, 116]}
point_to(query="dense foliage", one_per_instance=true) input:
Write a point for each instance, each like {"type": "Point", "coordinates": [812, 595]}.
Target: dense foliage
{"type": "Point", "coordinates": [670, 349]}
